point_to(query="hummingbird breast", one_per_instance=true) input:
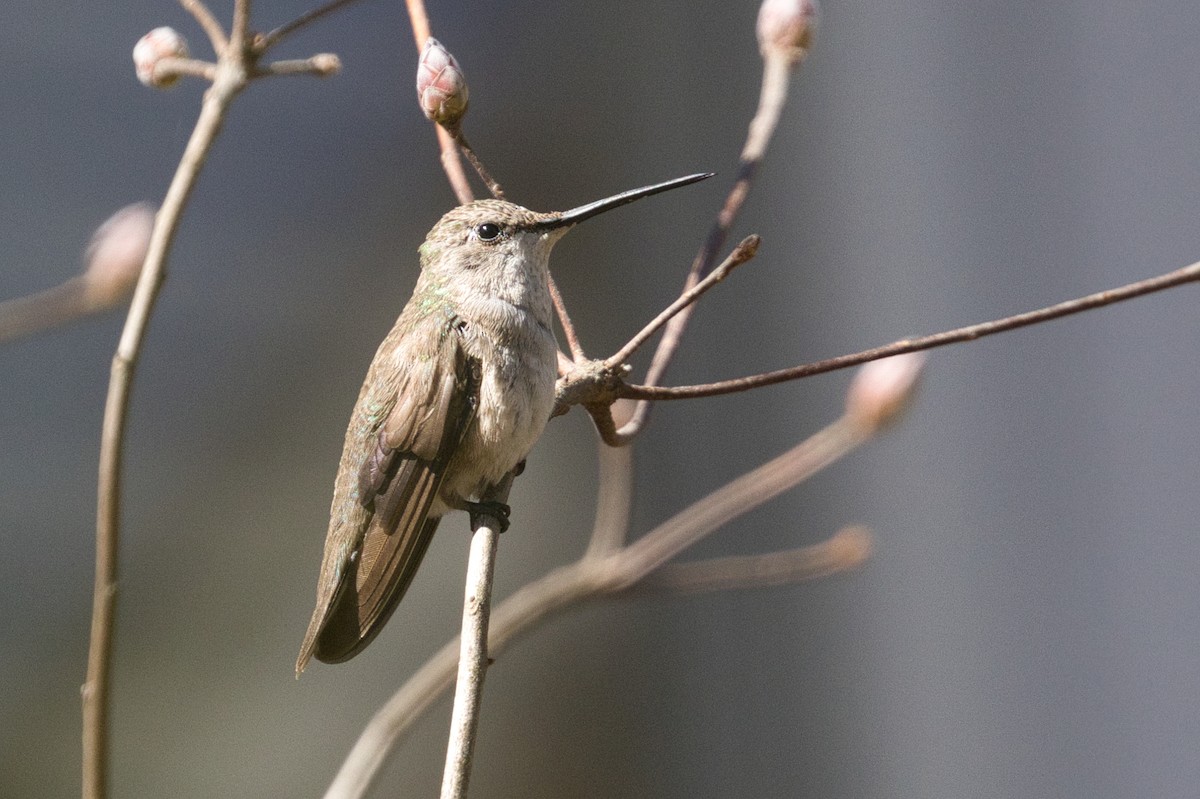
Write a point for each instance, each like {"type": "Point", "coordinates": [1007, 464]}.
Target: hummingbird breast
{"type": "Point", "coordinates": [518, 355]}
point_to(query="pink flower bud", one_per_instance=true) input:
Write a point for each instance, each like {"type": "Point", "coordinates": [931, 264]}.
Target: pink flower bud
{"type": "Point", "coordinates": [882, 389]}
{"type": "Point", "coordinates": [115, 255]}
{"type": "Point", "coordinates": [787, 27]}
{"type": "Point", "coordinates": [156, 45]}
{"type": "Point", "coordinates": [441, 86]}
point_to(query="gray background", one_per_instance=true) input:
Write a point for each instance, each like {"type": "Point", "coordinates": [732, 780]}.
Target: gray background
{"type": "Point", "coordinates": [1028, 626]}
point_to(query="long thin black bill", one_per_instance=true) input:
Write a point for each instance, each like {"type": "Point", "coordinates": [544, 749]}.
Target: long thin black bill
{"type": "Point", "coordinates": [576, 215]}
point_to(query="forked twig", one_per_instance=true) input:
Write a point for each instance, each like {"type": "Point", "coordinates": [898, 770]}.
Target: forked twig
{"type": "Point", "coordinates": [777, 70]}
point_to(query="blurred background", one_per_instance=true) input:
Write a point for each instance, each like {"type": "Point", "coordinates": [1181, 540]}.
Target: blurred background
{"type": "Point", "coordinates": [1028, 626]}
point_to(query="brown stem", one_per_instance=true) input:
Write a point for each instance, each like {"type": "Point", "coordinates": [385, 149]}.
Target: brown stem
{"type": "Point", "coordinates": [307, 18]}
{"type": "Point", "coordinates": [564, 318]}
{"type": "Point", "coordinates": [1187, 274]}
{"type": "Point", "coordinates": [230, 80]}
{"type": "Point", "coordinates": [745, 250]}
{"type": "Point", "coordinates": [480, 169]}
{"type": "Point", "coordinates": [777, 70]}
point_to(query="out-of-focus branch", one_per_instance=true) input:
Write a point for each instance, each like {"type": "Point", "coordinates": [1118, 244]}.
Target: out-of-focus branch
{"type": "Point", "coordinates": [113, 263]}
{"type": "Point", "coordinates": [230, 80]}
{"type": "Point", "coordinates": [847, 549]}
{"type": "Point", "coordinates": [614, 498]}
{"type": "Point", "coordinates": [235, 67]}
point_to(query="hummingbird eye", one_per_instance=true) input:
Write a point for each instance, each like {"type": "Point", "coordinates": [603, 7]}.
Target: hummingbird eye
{"type": "Point", "coordinates": [488, 231]}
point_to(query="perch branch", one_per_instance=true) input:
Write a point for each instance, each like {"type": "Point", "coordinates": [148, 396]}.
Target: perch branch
{"type": "Point", "coordinates": [473, 650]}
{"type": "Point", "coordinates": [588, 578]}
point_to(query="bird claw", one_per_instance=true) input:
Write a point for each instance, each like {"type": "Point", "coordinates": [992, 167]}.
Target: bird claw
{"type": "Point", "coordinates": [490, 508]}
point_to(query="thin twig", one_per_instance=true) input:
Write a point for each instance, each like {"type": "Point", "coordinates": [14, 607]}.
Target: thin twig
{"type": "Point", "coordinates": [847, 549]}
{"type": "Point", "coordinates": [564, 318]}
{"type": "Point", "coordinates": [484, 174]}
{"type": "Point", "coordinates": [208, 23]}
{"type": "Point", "coordinates": [273, 38]}
{"type": "Point", "coordinates": [321, 65]}
{"type": "Point", "coordinates": [1187, 274]}
{"type": "Point", "coordinates": [587, 578]}
{"type": "Point", "coordinates": [230, 80]}
{"type": "Point", "coordinates": [777, 70]}
{"type": "Point", "coordinates": [166, 68]}
{"type": "Point", "coordinates": [452, 166]}
{"type": "Point", "coordinates": [742, 253]}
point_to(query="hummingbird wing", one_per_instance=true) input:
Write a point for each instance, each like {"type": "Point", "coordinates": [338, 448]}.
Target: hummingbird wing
{"type": "Point", "coordinates": [397, 483]}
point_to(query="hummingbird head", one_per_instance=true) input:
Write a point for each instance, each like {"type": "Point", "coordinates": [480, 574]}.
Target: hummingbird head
{"type": "Point", "coordinates": [496, 236]}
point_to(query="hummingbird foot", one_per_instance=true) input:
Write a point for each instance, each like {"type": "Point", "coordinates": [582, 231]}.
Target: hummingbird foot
{"type": "Point", "coordinates": [491, 508]}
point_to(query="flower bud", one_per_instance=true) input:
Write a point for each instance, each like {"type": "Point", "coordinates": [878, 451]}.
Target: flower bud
{"type": "Point", "coordinates": [441, 86]}
{"type": "Point", "coordinates": [787, 27]}
{"type": "Point", "coordinates": [114, 258]}
{"type": "Point", "coordinates": [156, 45]}
{"type": "Point", "coordinates": [882, 389]}
{"type": "Point", "coordinates": [326, 64]}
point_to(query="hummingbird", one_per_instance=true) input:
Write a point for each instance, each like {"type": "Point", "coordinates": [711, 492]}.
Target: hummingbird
{"type": "Point", "coordinates": [456, 396]}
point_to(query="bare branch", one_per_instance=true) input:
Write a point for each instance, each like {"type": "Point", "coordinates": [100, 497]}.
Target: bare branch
{"type": "Point", "coordinates": [473, 651]}
{"type": "Point", "coordinates": [849, 548]}
{"type": "Point", "coordinates": [231, 74]}
{"type": "Point", "coordinates": [207, 22]}
{"type": "Point", "coordinates": [777, 70]}
{"type": "Point", "coordinates": [321, 65]}
{"type": "Point", "coordinates": [229, 83]}
{"type": "Point", "coordinates": [167, 68]}
{"type": "Point", "coordinates": [614, 499]}
{"type": "Point", "coordinates": [273, 38]}
{"type": "Point", "coordinates": [239, 31]}
{"type": "Point", "coordinates": [564, 318]}
{"type": "Point", "coordinates": [745, 250]}
{"type": "Point", "coordinates": [1187, 274]}
{"type": "Point", "coordinates": [484, 175]}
